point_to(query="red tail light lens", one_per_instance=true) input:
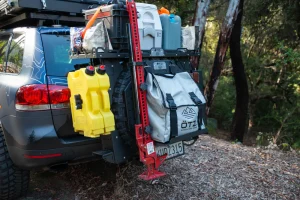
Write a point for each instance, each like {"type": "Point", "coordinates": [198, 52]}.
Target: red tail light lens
{"type": "Point", "coordinates": [42, 97]}
{"type": "Point", "coordinates": [59, 94]}
{"type": "Point", "coordinates": [43, 156]}
{"type": "Point", "coordinates": [32, 95]}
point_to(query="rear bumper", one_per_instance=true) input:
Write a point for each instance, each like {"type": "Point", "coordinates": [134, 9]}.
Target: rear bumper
{"type": "Point", "coordinates": [32, 143]}
{"type": "Point", "coordinates": [111, 148]}
{"type": "Point", "coordinates": [32, 134]}
{"type": "Point", "coordinates": [32, 159]}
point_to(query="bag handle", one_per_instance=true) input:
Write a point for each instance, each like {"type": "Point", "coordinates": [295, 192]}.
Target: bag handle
{"type": "Point", "coordinates": [166, 75]}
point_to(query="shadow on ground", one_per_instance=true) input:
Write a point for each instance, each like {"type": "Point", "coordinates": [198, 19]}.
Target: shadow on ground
{"type": "Point", "coordinates": [73, 182]}
{"type": "Point", "coordinates": [210, 169]}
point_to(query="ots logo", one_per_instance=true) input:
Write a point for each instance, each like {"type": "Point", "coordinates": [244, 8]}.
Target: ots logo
{"type": "Point", "coordinates": [189, 113]}
{"type": "Point", "coordinates": [188, 125]}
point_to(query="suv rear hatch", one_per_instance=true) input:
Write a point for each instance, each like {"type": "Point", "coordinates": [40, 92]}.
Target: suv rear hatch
{"type": "Point", "coordinates": [56, 43]}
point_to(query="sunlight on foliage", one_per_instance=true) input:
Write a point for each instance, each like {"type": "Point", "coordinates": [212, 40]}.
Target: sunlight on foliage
{"type": "Point", "coordinates": [271, 55]}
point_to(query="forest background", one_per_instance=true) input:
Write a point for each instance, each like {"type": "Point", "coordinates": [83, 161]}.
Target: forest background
{"type": "Point", "coordinates": [270, 47]}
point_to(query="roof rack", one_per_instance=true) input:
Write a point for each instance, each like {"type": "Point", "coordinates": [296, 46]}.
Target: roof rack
{"type": "Point", "coordinates": [15, 13]}
{"type": "Point", "coordinates": [153, 53]}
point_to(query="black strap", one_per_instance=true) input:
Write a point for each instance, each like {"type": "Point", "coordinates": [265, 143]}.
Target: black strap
{"type": "Point", "coordinates": [175, 69]}
{"type": "Point", "coordinates": [198, 102]}
{"type": "Point", "coordinates": [200, 117]}
{"type": "Point", "coordinates": [195, 99]}
{"type": "Point", "coordinates": [173, 115]}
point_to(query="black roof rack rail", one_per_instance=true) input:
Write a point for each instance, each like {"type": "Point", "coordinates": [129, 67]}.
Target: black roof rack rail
{"type": "Point", "coordinates": [15, 13]}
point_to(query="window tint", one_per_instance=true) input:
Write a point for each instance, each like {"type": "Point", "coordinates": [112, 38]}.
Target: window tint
{"type": "Point", "coordinates": [58, 62]}
{"type": "Point", "coordinates": [3, 48]}
{"type": "Point", "coordinates": [15, 55]}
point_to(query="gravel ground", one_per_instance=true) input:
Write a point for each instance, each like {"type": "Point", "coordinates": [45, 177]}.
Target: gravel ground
{"type": "Point", "coordinates": [211, 169]}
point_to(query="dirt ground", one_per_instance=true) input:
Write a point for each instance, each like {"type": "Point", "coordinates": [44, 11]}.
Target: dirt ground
{"type": "Point", "coordinates": [211, 169]}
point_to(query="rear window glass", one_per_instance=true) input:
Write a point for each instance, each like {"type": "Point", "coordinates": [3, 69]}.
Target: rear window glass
{"type": "Point", "coordinates": [58, 62]}
{"type": "Point", "coordinates": [3, 48]}
{"type": "Point", "coordinates": [15, 54]}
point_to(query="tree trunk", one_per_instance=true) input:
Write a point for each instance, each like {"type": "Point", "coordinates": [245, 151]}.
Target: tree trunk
{"type": "Point", "coordinates": [298, 18]}
{"type": "Point", "coordinates": [201, 12]}
{"type": "Point", "coordinates": [239, 123]}
{"type": "Point", "coordinates": [223, 43]}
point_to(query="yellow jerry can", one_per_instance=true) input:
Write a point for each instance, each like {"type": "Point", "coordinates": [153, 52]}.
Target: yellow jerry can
{"type": "Point", "coordinates": [90, 104]}
{"type": "Point", "coordinates": [104, 85]}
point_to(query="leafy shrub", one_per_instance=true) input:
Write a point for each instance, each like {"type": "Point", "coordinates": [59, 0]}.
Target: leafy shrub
{"type": "Point", "coordinates": [224, 103]}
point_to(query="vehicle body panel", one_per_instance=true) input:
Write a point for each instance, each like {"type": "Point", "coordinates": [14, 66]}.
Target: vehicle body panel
{"type": "Point", "coordinates": [37, 132]}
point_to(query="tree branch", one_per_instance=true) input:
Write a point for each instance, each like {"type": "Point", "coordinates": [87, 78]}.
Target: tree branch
{"type": "Point", "coordinates": [289, 114]}
{"type": "Point", "coordinates": [271, 98]}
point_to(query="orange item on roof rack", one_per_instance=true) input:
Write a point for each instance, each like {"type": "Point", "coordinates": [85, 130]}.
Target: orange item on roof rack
{"type": "Point", "coordinates": [163, 10]}
{"type": "Point", "coordinates": [91, 22]}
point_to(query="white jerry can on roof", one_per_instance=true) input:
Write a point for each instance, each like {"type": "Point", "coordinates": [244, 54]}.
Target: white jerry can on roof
{"type": "Point", "coordinates": [150, 28]}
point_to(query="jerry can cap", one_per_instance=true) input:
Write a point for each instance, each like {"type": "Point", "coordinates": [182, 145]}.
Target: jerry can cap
{"type": "Point", "coordinates": [90, 70]}
{"type": "Point", "coordinates": [101, 70]}
{"type": "Point", "coordinates": [172, 18]}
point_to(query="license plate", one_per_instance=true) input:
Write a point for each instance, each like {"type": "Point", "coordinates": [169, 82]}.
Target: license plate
{"type": "Point", "coordinates": [173, 150]}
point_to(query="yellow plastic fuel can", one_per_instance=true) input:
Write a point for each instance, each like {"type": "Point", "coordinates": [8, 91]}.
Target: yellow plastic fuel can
{"type": "Point", "coordinates": [90, 103]}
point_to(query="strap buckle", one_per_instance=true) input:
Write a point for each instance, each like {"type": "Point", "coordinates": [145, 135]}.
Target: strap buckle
{"type": "Point", "coordinates": [143, 86]}
{"type": "Point", "coordinates": [171, 102]}
{"type": "Point", "coordinates": [195, 99]}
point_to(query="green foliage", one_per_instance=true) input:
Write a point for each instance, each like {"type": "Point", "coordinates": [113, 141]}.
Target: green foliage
{"type": "Point", "coordinates": [212, 126]}
{"type": "Point", "coordinates": [184, 8]}
{"type": "Point", "coordinates": [224, 103]}
{"type": "Point", "coordinates": [2, 51]}
{"type": "Point", "coordinates": [263, 139]}
{"type": "Point", "coordinates": [296, 145]}
{"type": "Point", "coordinates": [285, 146]}
{"type": "Point", "coordinates": [236, 141]}
{"type": "Point", "coordinates": [275, 93]}
{"type": "Point", "coordinates": [271, 54]}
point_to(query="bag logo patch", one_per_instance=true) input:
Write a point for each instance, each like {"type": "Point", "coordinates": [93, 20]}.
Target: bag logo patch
{"type": "Point", "coordinates": [189, 113]}
{"type": "Point", "coordinates": [185, 125]}
{"type": "Point", "coordinates": [190, 123]}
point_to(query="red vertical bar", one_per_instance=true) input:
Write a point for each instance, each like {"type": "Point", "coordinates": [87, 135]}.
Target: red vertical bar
{"type": "Point", "coordinates": [143, 139]}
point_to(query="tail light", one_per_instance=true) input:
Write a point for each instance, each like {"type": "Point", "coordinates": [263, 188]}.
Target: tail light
{"type": "Point", "coordinates": [42, 97]}
{"type": "Point", "coordinates": [42, 156]}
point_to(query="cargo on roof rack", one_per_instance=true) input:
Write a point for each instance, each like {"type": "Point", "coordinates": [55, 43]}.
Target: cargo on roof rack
{"type": "Point", "coordinates": [14, 13]}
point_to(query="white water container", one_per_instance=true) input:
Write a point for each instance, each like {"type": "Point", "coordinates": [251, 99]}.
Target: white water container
{"type": "Point", "coordinates": [150, 28]}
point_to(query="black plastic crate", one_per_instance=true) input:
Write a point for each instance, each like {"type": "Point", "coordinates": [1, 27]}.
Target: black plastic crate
{"type": "Point", "coordinates": [115, 18]}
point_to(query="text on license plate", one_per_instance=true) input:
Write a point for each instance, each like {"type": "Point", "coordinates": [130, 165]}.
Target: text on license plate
{"type": "Point", "coordinates": [173, 150]}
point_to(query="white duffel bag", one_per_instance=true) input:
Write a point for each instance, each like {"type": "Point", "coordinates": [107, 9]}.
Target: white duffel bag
{"type": "Point", "coordinates": [95, 37]}
{"type": "Point", "coordinates": [174, 103]}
